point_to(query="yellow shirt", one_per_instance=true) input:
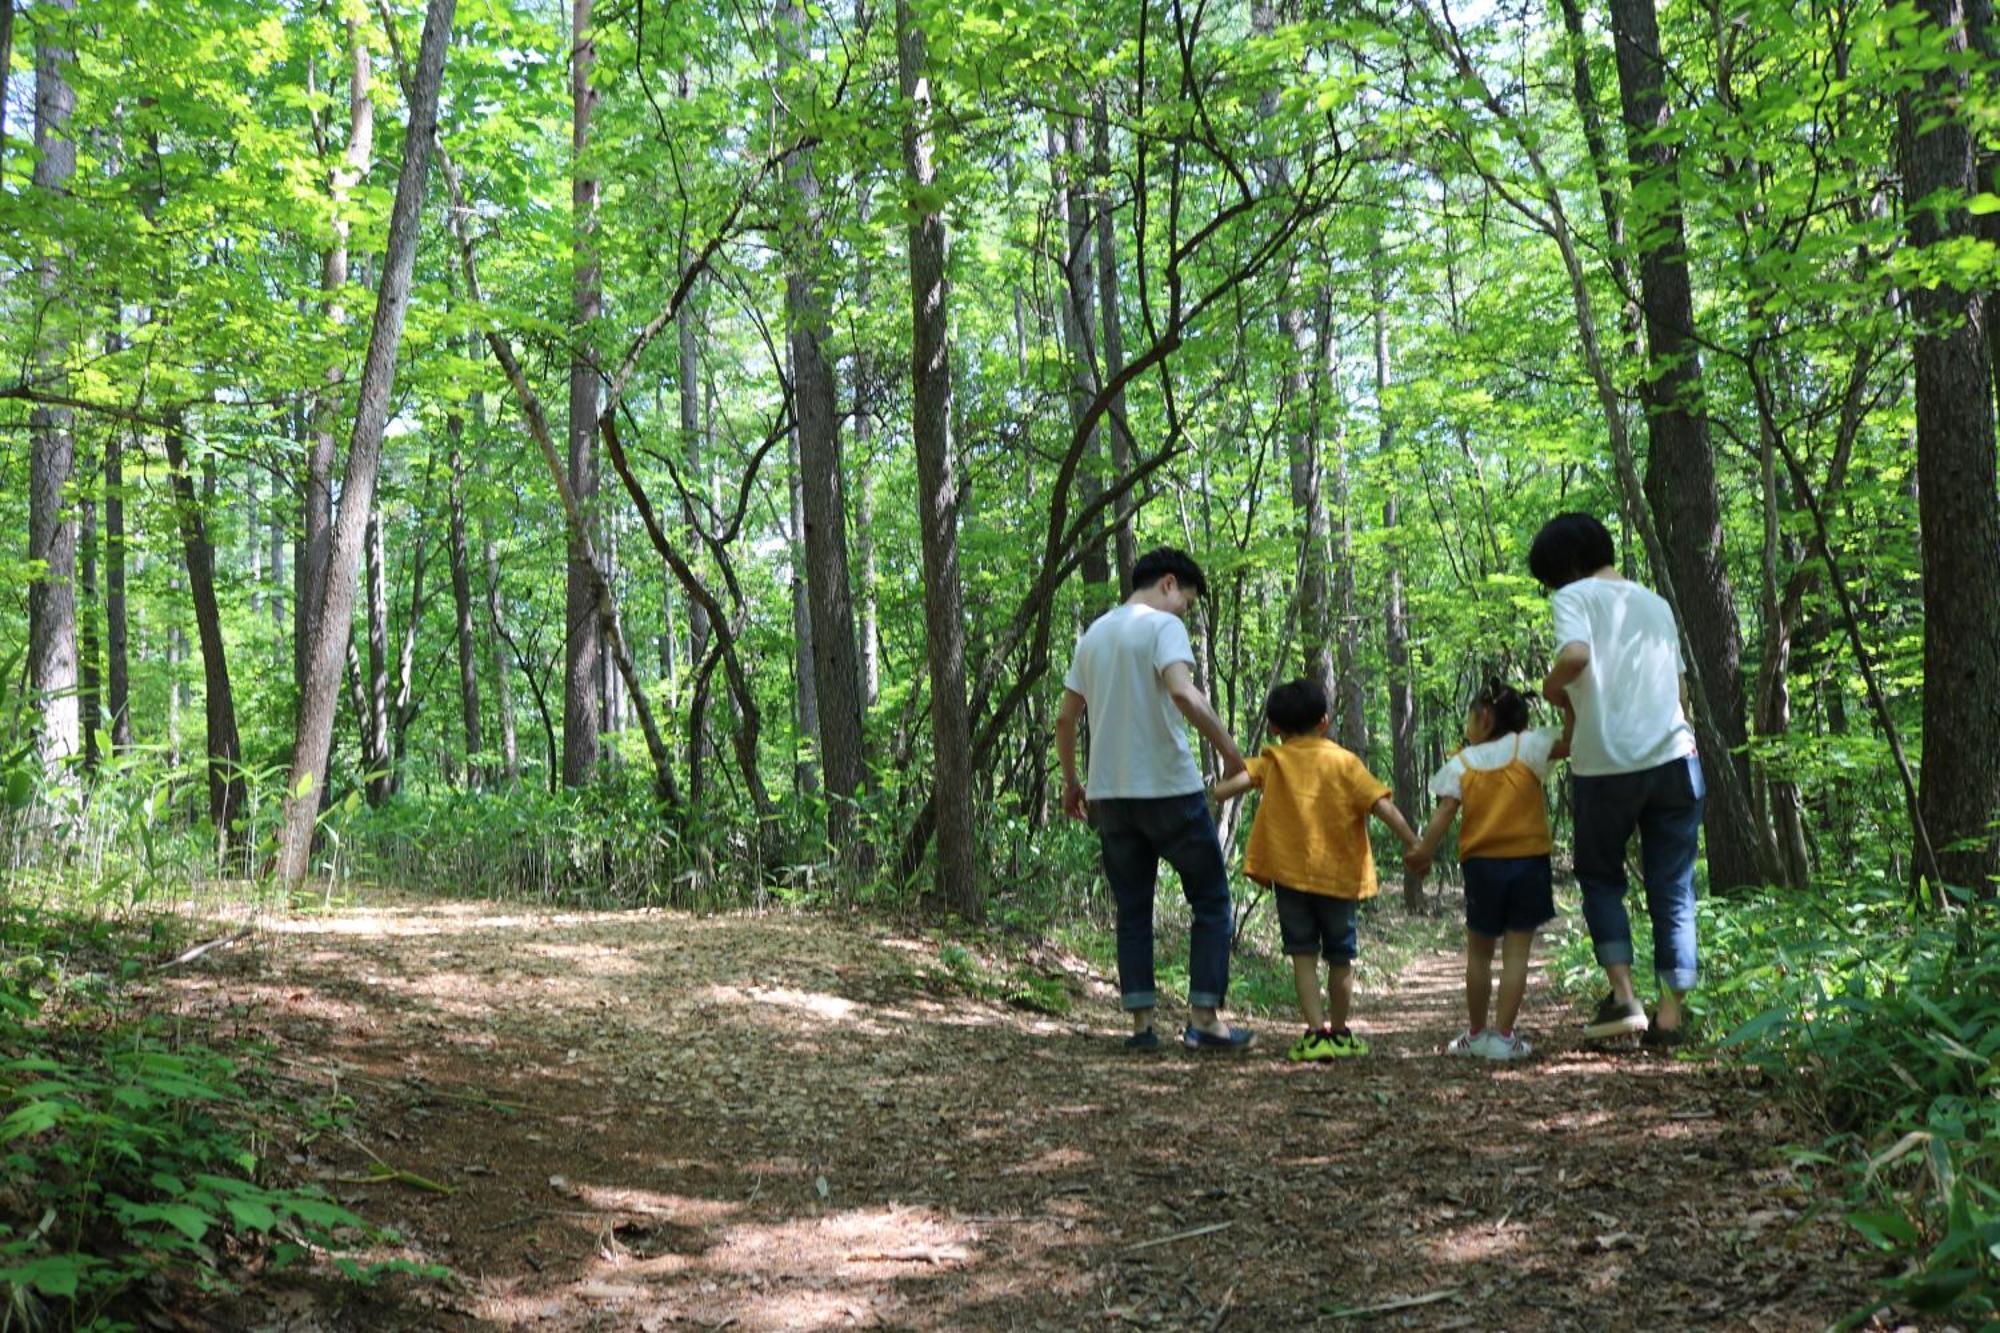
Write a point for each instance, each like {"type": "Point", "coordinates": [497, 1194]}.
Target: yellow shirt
{"type": "Point", "coordinates": [1311, 830]}
{"type": "Point", "coordinates": [1504, 812]}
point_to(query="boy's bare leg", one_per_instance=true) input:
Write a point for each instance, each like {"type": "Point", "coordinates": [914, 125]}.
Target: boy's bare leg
{"type": "Point", "coordinates": [1478, 979]}
{"type": "Point", "coordinates": [1339, 994]}
{"type": "Point", "coordinates": [1514, 947]}
{"type": "Point", "coordinates": [1305, 978]}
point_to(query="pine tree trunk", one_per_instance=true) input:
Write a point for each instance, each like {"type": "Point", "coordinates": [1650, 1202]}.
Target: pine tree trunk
{"type": "Point", "coordinates": [330, 620]}
{"type": "Point", "coordinates": [51, 445]}
{"type": "Point", "coordinates": [583, 644]}
{"type": "Point", "coordinates": [317, 516]}
{"type": "Point", "coordinates": [226, 791]}
{"type": "Point", "coordinates": [1680, 464]}
{"type": "Point", "coordinates": [937, 490]}
{"type": "Point", "coordinates": [1956, 505]}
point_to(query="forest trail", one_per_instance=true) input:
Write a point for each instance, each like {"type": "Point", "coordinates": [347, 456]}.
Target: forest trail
{"type": "Point", "coordinates": [650, 1121]}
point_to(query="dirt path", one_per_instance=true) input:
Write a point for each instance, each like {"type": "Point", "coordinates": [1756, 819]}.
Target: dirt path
{"type": "Point", "coordinates": [778, 1123]}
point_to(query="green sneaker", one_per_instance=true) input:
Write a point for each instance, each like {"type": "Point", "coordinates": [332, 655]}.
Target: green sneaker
{"type": "Point", "coordinates": [1312, 1048]}
{"type": "Point", "coordinates": [1345, 1045]}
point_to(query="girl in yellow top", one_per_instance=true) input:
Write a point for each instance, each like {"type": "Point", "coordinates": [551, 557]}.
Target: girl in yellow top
{"type": "Point", "coordinates": [1503, 848]}
{"type": "Point", "coordinates": [1309, 842]}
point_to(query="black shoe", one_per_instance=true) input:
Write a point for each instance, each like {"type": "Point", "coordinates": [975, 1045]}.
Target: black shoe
{"type": "Point", "coordinates": [1146, 1040]}
{"type": "Point", "coordinates": [1665, 1039]}
{"type": "Point", "coordinates": [1616, 1017]}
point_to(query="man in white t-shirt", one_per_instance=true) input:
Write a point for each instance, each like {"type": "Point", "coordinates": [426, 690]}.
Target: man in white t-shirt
{"type": "Point", "coordinates": [1633, 767]}
{"type": "Point", "coordinates": [1133, 675]}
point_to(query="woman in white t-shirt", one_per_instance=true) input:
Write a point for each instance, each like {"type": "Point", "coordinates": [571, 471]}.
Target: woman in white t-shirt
{"type": "Point", "coordinates": [1633, 767]}
{"type": "Point", "coordinates": [1503, 848]}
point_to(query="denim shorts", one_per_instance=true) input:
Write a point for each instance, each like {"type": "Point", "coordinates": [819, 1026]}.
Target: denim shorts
{"type": "Point", "coordinates": [1314, 923]}
{"type": "Point", "coordinates": [1504, 893]}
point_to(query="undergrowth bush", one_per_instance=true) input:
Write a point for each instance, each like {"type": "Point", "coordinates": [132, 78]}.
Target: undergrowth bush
{"type": "Point", "coordinates": [1880, 1019]}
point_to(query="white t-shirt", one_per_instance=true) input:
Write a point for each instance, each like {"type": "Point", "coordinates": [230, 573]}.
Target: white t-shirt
{"type": "Point", "coordinates": [1497, 753]}
{"type": "Point", "coordinates": [1138, 739]}
{"type": "Point", "coordinates": [1628, 700]}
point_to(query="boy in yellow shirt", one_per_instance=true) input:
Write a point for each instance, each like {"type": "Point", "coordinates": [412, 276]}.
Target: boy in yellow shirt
{"type": "Point", "coordinates": [1309, 843]}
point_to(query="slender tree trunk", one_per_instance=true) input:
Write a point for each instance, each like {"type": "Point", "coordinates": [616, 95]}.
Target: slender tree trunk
{"type": "Point", "coordinates": [864, 478]}
{"type": "Point", "coordinates": [689, 392]}
{"type": "Point", "coordinates": [834, 667]}
{"type": "Point", "coordinates": [1402, 706]}
{"type": "Point", "coordinates": [1957, 508]}
{"type": "Point", "coordinates": [461, 600]}
{"type": "Point", "coordinates": [317, 516]}
{"type": "Point", "coordinates": [1680, 464]}
{"type": "Point", "coordinates": [937, 487]}
{"type": "Point", "coordinates": [6, 73]}
{"type": "Point", "coordinates": [117, 653]}
{"type": "Point", "coordinates": [1079, 316]}
{"type": "Point", "coordinates": [1350, 694]}
{"type": "Point", "coordinates": [331, 619]}
{"type": "Point", "coordinates": [583, 645]}
{"type": "Point", "coordinates": [51, 445]}
{"type": "Point", "coordinates": [404, 707]}
{"type": "Point", "coordinates": [278, 576]}
{"type": "Point", "coordinates": [510, 751]}
{"type": "Point", "coordinates": [226, 791]}
{"type": "Point", "coordinates": [91, 692]}
{"type": "Point", "coordinates": [375, 684]}
{"type": "Point", "coordinates": [1114, 332]}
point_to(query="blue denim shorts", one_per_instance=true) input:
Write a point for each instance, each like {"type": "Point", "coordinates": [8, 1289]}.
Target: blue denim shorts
{"type": "Point", "coordinates": [1314, 923]}
{"type": "Point", "coordinates": [1504, 893]}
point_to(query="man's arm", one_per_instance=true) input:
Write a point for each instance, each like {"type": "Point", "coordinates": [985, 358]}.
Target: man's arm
{"type": "Point", "coordinates": [1572, 659]}
{"type": "Point", "coordinates": [1560, 750]}
{"type": "Point", "coordinates": [1187, 697]}
{"type": "Point", "coordinates": [1068, 714]}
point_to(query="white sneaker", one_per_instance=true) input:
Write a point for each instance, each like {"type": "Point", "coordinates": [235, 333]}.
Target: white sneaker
{"type": "Point", "coordinates": [1493, 1046]}
{"type": "Point", "coordinates": [1465, 1043]}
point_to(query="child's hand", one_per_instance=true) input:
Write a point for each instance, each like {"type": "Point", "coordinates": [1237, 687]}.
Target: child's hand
{"type": "Point", "coordinates": [1417, 861]}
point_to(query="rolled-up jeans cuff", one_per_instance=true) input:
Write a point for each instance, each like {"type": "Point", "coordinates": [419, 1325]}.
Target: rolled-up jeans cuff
{"type": "Point", "coordinates": [1203, 999]}
{"type": "Point", "coordinates": [1138, 999]}
{"type": "Point", "coordinates": [1679, 980]}
{"type": "Point", "coordinates": [1614, 953]}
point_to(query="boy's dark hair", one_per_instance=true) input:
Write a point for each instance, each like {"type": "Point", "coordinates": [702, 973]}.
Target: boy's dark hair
{"type": "Point", "coordinates": [1569, 547]}
{"type": "Point", "coordinates": [1161, 561]}
{"type": "Point", "coordinates": [1295, 707]}
{"type": "Point", "coordinates": [1508, 705]}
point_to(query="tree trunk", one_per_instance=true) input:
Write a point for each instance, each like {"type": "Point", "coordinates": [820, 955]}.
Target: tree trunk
{"type": "Point", "coordinates": [937, 487]}
{"type": "Point", "coordinates": [461, 600]}
{"type": "Point", "coordinates": [864, 478]}
{"type": "Point", "coordinates": [331, 619]}
{"type": "Point", "coordinates": [582, 642]}
{"type": "Point", "coordinates": [276, 557]}
{"type": "Point", "coordinates": [6, 74]}
{"type": "Point", "coordinates": [1114, 330]}
{"type": "Point", "coordinates": [226, 790]}
{"type": "Point", "coordinates": [117, 651]}
{"type": "Point", "coordinates": [1680, 465]}
{"type": "Point", "coordinates": [689, 392]}
{"type": "Point", "coordinates": [52, 446]}
{"type": "Point", "coordinates": [510, 751]}
{"type": "Point", "coordinates": [1350, 696]}
{"type": "Point", "coordinates": [835, 669]}
{"type": "Point", "coordinates": [317, 516]}
{"type": "Point", "coordinates": [1079, 302]}
{"type": "Point", "coordinates": [805, 686]}
{"type": "Point", "coordinates": [375, 684]}
{"type": "Point", "coordinates": [1402, 707]}
{"type": "Point", "coordinates": [1956, 505]}
{"type": "Point", "coordinates": [90, 695]}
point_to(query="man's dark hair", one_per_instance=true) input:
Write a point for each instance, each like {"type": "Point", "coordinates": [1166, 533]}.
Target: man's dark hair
{"type": "Point", "coordinates": [1570, 547]}
{"type": "Point", "coordinates": [1508, 705]}
{"type": "Point", "coordinates": [1161, 561]}
{"type": "Point", "coordinates": [1295, 707]}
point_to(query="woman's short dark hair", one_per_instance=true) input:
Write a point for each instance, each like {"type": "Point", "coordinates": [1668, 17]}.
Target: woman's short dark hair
{"type": "Point", "coordinates": [1508, 706]}
{"type": "Point", "coordinates": [1295, 707]}
{"type": "Point", "coordinates": [1161, 561]}
{"type": "Point", "coordinates": [1569, 547]}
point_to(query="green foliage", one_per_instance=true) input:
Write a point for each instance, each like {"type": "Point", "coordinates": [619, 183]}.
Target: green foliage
{"type": "Point", "coordinates": [1882, 1022]}
{"type": "Point", "coordinates": [126, 1152]}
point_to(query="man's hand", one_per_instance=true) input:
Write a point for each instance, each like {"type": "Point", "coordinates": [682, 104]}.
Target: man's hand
{"type": "Point", "coordinates": [1074, 804]}
{"type": "Point", "coordinates": [1572, 659]}
{"type": "Point", "coordinates": [1417, 862]}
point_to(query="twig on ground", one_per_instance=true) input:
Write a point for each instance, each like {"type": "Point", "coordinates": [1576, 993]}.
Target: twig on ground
{"type": "Point", "coordinates": [1208, 1230]}
{"type": "Point", "coordinates": [1408, 1302]}
{"type": "Point", "coordinates": [188, 956]}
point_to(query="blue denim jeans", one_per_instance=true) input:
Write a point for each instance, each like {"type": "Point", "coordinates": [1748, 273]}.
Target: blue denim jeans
{"type": "Point", "coordinates": [1134, 836]}
{"type": "Point", "coordinates": [1663, 805]}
